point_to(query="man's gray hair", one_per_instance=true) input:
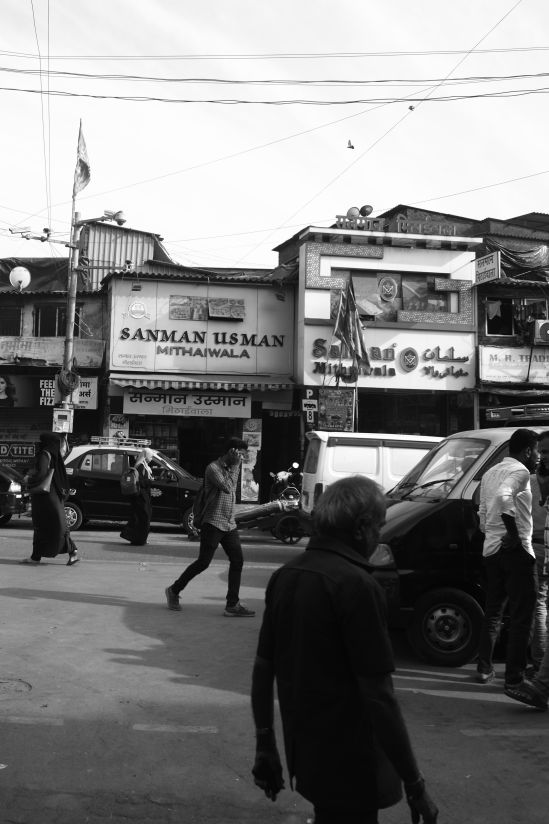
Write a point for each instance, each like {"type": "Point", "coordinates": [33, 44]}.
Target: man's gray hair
{"type": "Point", "coordinates": [342, 504]}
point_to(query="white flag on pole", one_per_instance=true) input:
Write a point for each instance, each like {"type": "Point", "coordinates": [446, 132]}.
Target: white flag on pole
{"type": "Point", "coordinates": [82, 170]}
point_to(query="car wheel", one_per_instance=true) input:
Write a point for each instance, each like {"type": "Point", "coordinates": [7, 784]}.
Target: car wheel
{"type": "Point", "coordinates": [288, 530]}
{"type": "Point", "coordinates": [446, 627]}
{"type": "Point", "coordinates": [187, 522]}
{"type": "Point", "coordinates": [5, 519]}
{"type": "Point", "coordinates": [74, 516]}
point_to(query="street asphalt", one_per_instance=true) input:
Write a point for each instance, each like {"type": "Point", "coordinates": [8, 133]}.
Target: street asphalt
{"type": "Point", "coordinates": [115, 709]}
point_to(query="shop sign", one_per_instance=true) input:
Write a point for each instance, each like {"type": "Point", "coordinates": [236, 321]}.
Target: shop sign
{"type": "Point", "coordinates": [16, 452]}
{"type": "Point", "coordinates": [187, 404]}
{"type": "Point", "coordinates": [488, 268]}
{"type": "Point", "coordinates": [400, 223]}
{"type": "Point", "coordinates": [514, 365]}
{"type": "Point", "coordinates": [406, 360]}
{"type": "Point", "coordinates": [85, 397]}
{"type": "Point", "coordinates": [201, 330]}
{"type": "Point", "coordinates": [50, 351]}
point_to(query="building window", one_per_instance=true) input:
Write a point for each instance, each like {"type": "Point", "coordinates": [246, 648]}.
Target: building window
{"type": "Point", "coordinates": [10, 321]}
{"type": "Point", "coordinates": [381, 295]}
{"type": "Point", "coordinates": [50, 321]}
{"type": "Point", "coordinates": [513, 316]}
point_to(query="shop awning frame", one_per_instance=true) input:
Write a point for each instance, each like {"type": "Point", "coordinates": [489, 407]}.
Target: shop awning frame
{"type": "Point", "coordinates": [238, 383]}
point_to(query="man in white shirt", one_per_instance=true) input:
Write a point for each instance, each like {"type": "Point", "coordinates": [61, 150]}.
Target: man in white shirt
{"type": "Point", "coordinates": [509, 560]}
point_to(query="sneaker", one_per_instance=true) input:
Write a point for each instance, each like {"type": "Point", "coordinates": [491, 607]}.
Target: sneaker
{"type": "Point", "coordinates": [527, 693]}
{"type": "Point", "coordinates": [238, 611]}
{"type": "Point", "coordinates": [485, 677]}
{"type": "Point", "coordinates": [172, 599]}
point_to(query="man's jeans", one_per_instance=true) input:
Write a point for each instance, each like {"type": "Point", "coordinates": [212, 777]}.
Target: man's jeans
{"type": "Point", "coordinates": [538, 640]}
{"type": "Point", "coordinates": [510, 574]}
{"type": "Point", "coordinates": [210, 538]}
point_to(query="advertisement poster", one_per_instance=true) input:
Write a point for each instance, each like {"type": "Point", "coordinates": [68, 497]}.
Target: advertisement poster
{"type": "Point", "coordinates": [119, 426]}
{"type": "Point", "coordinates": [21, 390]}
{"type": "Point", "coordinates": [336, 409]}
{"type": "Point", "coordinates": [249, 476]}
{"type": "Point", "coordinates": [328, 408]}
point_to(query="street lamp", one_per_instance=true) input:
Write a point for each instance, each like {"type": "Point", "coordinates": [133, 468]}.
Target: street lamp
{"type": "Point", "coordinates": [68, 377]}
{"type": "Point", "coordinates": [20, 279]}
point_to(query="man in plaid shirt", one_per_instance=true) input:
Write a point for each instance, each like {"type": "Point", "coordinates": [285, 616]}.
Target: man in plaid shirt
{"type": "Point", "coordinates": [219, 527]}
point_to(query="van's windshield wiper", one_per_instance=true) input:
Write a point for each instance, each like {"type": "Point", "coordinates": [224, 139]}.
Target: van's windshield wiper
{"type": "Point", "coordinates": [425, 485]}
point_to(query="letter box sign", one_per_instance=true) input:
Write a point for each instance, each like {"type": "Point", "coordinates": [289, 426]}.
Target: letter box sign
{"type": "Point", "coordinates": [488, 268]}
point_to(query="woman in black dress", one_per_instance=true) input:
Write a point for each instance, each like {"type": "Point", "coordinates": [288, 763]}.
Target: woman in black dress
{"type": "Point", "coordinates": [138, 527]}
{"type": "Point", "coordinates": [51, 536]}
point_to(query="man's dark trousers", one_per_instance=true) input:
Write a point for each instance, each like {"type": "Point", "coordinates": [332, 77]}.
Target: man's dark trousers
{"type": "Point", "coordinates": [210, 538]}
{"type": "Point", "coordinates": [510, 573]}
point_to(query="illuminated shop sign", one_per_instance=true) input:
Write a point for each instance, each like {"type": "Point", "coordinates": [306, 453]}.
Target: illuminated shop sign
{"type": "Point", "coordinates": [422, 360]}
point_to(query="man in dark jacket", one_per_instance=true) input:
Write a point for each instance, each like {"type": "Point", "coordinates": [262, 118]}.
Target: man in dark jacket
{"type": "Point", "coordinates": [324, 639]}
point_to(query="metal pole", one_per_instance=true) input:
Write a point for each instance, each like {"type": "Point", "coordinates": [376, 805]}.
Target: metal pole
{"type": "Point", "coordinates": [72, 284]}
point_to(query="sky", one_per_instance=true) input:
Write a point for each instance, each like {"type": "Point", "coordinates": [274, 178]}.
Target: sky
{"type": "Point", "coordinates": [225, 183]}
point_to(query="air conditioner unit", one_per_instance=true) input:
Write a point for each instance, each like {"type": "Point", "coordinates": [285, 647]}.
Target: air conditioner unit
{"type": "Point", "coordinates": [541, 332]}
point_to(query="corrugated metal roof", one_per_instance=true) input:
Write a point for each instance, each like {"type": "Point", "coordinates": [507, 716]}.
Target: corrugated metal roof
{"type": "Point", "coordinates": [256, 276]}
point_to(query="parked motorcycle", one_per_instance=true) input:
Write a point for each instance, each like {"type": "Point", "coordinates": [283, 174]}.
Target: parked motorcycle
{"type": "Point", "coordinates": [280, 518]}
{"type": "Point", "coordinates": [286, 484]}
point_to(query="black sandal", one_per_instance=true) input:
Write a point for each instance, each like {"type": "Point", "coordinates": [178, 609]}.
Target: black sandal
{"type": "Point", "coordinates": [73, 559]}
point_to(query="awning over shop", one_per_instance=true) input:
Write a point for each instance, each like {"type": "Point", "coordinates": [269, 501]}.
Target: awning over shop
{"type": "Point", "coordinates": [238, 383]}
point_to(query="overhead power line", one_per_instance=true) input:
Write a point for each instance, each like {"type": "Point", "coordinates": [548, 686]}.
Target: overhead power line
{"type": "Point", "coordinates": [327, 81]}
{"type": "Point", "coordinates": [286, 102]}
{"type": "Point", "coordinates": [280, 55]}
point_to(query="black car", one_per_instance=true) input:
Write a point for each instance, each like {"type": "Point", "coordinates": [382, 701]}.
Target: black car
{"type": "Point", "coordinates": [13, 499]}
{"type": "Point", "coordinates": [429, 560]}
{"type": "Point", "coordinates": [94, 472]}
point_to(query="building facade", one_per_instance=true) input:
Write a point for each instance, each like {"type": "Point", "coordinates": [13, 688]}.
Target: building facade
{"type": "Point", "coordinates": [412, 281]}
{"type": "Point", "coordinates": [193, 359]}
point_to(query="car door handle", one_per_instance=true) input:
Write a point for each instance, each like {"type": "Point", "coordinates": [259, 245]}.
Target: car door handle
{"type": "Point", "coordinates": [89, 483]}
{"type": "Point", "coordinates": [453, 546]}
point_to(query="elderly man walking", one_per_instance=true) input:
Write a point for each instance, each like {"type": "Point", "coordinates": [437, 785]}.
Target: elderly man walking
{"type": "Point", "coordinates": [324, 640]}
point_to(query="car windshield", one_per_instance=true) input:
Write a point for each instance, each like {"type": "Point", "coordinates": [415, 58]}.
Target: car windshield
{"type": "Point", "coordinates": [440, 470]}
{"type": "Point", "coordinates": [166, 462]}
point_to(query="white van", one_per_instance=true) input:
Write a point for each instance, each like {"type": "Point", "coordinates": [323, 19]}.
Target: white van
{"type": "Point", "coordinates": [382, 457]}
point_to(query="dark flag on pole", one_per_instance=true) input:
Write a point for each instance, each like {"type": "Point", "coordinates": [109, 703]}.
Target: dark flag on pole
{"type": "Point", "coordinates": [348, 328]}
{"type": "Point", "coordinates": [82, 170]}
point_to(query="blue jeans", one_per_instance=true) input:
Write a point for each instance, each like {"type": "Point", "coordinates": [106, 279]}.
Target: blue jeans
{"type": "Point", "coordinates": [510, 578]}
{"type": "Point", "coordinates": [210, 538]}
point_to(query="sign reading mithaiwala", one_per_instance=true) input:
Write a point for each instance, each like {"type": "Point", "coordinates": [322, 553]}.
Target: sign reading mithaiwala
{"type": "Point", "coordinates": [488, 268]}
{"type": "Point", "coordinates": [201, 328]}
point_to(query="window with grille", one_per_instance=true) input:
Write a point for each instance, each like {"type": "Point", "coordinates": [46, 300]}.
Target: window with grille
{"type": "Point", "coordinates": [513, 316]}
{"type": "Point", "coordinates": [10, 321]}
{"type": "Point", "coordinates": [50, 321]}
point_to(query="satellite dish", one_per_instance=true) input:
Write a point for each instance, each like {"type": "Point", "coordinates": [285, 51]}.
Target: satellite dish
{"type": "Point", "coordinates": [353, 213]}
{"type": "Point", "coordinates": [366, 210]}
{"type": "Point", "coordinates": [20, 277]}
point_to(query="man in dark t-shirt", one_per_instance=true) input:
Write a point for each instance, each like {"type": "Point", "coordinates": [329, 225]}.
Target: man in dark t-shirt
{"type": "Point", "coordinates": [324, 640]}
